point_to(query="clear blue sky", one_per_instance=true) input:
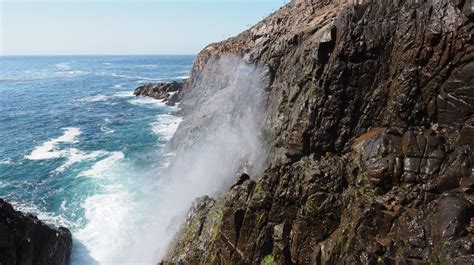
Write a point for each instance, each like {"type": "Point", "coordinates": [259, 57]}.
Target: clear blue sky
{"type": "Point", "coordinates": [70, 27]}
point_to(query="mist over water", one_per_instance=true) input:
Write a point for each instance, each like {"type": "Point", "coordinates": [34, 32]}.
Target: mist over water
{"type": "Point", "coordinates": [94, 159]}
{"type": "Point", "coordinates": [219, 137]}
{"type": "Point", "coordinates": [79, 150]}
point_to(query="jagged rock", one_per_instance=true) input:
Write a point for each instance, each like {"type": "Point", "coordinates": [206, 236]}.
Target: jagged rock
{"type": "Point", "coordinates": [194, 232]}
{"type": "Point", "coordinates": [167, 92]}
{"type": "Point", "coordinates": [243, 177]}
{"type": "Point", "coordinates": [389, 159]}
{"type": "Point", "coordinates": [25, 240]}
{"type": "Point", "coordinates": [370, 117]}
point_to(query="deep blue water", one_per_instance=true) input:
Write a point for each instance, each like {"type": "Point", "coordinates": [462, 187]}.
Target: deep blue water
{"type": "Point", "coordinates": [78, 150]}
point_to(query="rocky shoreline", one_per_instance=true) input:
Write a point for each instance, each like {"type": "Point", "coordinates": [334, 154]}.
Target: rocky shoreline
{"type": "Point", "coordinates": [26, 240]}
{"type": "Point", "coordinates": [169, 93]}
{"type": "Point", "coordinates": [370, 123]}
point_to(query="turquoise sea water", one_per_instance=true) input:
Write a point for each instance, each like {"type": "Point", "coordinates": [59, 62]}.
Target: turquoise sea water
{"type": "Point", "coordinates": [79, 150]}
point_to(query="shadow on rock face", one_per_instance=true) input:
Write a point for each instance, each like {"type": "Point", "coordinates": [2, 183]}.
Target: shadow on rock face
{"type": "Point", "coordinates": [370, 124]}
{"type": "Point", "coordinates": [26, 240]}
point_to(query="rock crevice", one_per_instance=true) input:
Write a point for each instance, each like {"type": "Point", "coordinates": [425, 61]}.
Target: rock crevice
{"type": "Point", "coordinates": [369, 126]}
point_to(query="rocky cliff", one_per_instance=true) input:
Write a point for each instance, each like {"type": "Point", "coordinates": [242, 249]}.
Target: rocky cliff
{"type": "Point", "coordinates": [25, 240]}
{"type": "Point", "coordinates": [370, 125]}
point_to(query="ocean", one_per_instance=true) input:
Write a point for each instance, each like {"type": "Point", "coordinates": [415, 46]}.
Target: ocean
{"type": "Point", "coordinates": [79, 150]}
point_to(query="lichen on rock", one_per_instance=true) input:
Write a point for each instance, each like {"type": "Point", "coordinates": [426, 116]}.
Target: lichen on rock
{"type": "Point", "coordinates": [369, 129]}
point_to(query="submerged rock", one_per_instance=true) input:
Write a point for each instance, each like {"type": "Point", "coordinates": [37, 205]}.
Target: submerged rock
{"type": "Point", "coordinates": [25, 240]}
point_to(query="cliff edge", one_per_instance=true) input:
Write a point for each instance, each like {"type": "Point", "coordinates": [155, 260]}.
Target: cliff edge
{"type": "Point", "coordinates": [25, 240]}
{"type": "Point", "coordinates": [370, 124]}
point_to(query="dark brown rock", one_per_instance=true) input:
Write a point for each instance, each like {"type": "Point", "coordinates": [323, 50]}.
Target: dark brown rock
{"type": "Point", "coordinates": [370, 117]}
{"type": "Point", "coordinates": [170, 93]}
{"type": "Point", "coordinates": [25, 240]}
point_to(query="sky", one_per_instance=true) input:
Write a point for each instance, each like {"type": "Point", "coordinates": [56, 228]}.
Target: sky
{"type": "Point", "coordinates": [112, 27]}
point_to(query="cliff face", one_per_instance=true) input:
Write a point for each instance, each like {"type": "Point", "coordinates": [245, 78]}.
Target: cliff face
{"type": "Point", "coordinates": [370, 128]}
{"type": "Point", "coordinates": [25, 240]}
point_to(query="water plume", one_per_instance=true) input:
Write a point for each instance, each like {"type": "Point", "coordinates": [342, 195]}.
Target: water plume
{"type": "Point", "coordinates": [220, 136]}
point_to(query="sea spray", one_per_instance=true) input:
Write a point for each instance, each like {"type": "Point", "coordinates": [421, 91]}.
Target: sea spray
{"type": "Point", "coordinates": [121, 208]}
{"type": "Point", "coordinates": [220, 136]}
{"type": "Point", "coordinates": [60, 160]}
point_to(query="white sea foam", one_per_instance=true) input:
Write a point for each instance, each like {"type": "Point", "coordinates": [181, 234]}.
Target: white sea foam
{"type": "Point", "coordinates": [3, 184]}
{"type": "Point", "coordinates": [109, 214]}
{"type": "Point", "coordinates": [96, 98]}
{"type": "Point", "coordinates": [128, 77]}
{"type": "Point", "coordinates": [75, 156]}
{"type": "Point", "coordinates": [147, 101]}
{"type": "Point", "coordinates": [117, 220]}
{"type": "Point", "coordinates": [166, 125]}
{"type": "Point", "coordinates": [117, 85]}
{"type": "Point", "coordinates": [5, 162]}
{"type": "Point", "coordinates": [101, 168]}
{"type": "Point", "coordinates": [108, 222]}
{"type": "Point", "coordinates": [124, 94]}
{"type": "Point", "coordinates": [147, 66]}
{"type": "Point", "coordinates": [75, 73]}
{"type": "Point", "coordinates": [63, 66]}
{"type": "Point", "coordinates": [183, 77]}
{"type": "Point", "coordinates": [106, 129]}
{"type": "Point", "coordinates": [49, 149]}
{"type": "Point", "coordinates": [43, 215]}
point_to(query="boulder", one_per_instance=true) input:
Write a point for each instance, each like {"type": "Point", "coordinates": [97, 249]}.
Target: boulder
{"type": "Point", "coordinates": [170, 93]}
{"type": "Point", "coordinates": [25, 240]}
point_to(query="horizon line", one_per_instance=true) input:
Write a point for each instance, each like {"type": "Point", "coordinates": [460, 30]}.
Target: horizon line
{"type": "Point", "coordinates": [150, 54]}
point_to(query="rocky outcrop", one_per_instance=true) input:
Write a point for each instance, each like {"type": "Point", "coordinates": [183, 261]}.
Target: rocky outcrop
{"type": "Point", "coordinates": [170, 93]}
{"type": "Point", "coordinates": [370, 130]}
{"type": "Point", "coordinates": [25, 240]}
{"type": "Point", "coordinates": [363, 207]}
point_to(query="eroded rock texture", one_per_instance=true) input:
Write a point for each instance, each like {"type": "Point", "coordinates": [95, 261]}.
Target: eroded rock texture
{"type": "Point", "coordinates": [170, 93]}
{"type": "Point", "coordinates": [370, 126]}
{"type": "Point", "coordinates": [25, 240]}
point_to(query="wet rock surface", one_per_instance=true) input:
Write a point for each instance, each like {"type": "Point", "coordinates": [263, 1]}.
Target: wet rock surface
{"type": "Point", "coordinates": [25, 240]}
{"type": "Point", "coordinates": [370, 126]}
{"type": "Point", "coordinates": [170, 93]}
